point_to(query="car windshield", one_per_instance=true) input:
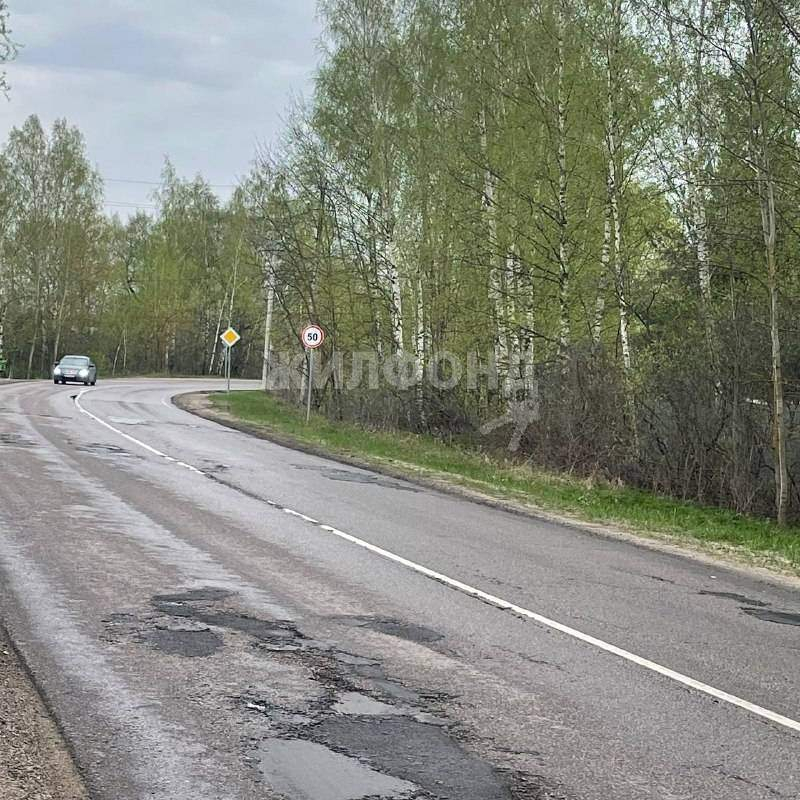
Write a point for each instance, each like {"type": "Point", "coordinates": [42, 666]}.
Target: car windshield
{"type": "Point", "coordinates": [74, 361]}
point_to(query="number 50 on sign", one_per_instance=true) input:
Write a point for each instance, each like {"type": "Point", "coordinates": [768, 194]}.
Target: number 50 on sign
{"type": "Point", "coordinates": [312, 337]}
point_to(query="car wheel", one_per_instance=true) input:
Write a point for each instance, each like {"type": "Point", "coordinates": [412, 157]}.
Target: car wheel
{"type": "Point", "coordinates": [94, 382]}
{"type": "Point", "coordinates": [56, 381]}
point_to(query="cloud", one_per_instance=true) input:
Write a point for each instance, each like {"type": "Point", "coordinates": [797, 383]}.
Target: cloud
{"type": "Point", "coordinates": [198, 80]}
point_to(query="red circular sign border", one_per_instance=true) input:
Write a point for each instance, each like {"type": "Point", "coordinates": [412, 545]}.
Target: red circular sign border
{"type": "Point", "coordinates": [312, 346]}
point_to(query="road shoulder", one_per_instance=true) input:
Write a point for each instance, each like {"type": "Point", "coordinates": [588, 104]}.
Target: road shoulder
{"type": "Point", "coordinates": [35, 763]}
{"type": "Point", "coordinates": [714, 555]}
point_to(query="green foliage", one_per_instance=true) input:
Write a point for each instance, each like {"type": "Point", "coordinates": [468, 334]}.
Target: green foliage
{"type": "Point", "coordinates": [8, 48]}
{"type": "Point", "coordinates": [147, 295]}
{"type": "Point", "coordinates": [575, 191]}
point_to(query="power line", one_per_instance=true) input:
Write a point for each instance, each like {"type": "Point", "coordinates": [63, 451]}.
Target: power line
{"type": "Point", "coordinates": [125, 204]}
{"type": "Point", "coordinates": [158, 183]}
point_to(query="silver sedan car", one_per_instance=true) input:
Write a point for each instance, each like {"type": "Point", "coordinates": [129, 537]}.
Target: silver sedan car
{"type": "Point", "coordinates": [75, 369]}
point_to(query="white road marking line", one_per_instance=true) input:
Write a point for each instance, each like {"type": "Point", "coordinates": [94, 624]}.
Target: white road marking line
{"type": "Point", "coordinates": [130, 438]}
{"type": "Point", "coordinates": [576, 634]}
{"type": "Point", "coordinates": [491, 599]}
{"type": "Point", "coordinates": [302, 516]}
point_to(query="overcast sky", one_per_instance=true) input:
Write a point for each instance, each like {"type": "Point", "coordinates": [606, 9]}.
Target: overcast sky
{"type": "Point", "coordinates": [202, 81]}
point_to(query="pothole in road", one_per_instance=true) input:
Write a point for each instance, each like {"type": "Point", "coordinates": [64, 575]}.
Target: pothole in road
{"type": "Point", "coordinates": [206, 594]}
{"type": "Point", "coordinates": [739, 598]}
{"type": "Point", "coordinates": [422, 754]}
{"type": "Point", "coordinates": [358, 734]}
{"type": "Point", "coordinates": [391, 689]}
{"type": "Point", "coordinates": [214, 466]}
{"type": "Point", "coordinates": [351, 476]}
{"type": "Point", "coordinates": [15, 440]}
{"type": "Point", "coordinates": [355, 704]}
{"type": "Point", "coordinates": [190, 643]}
{"type": "Point", "coordinates": [262, 630]}
{"type": "Point", "coordinates": [768, 615]}
{"type": "Point", "coordinates": [305, 770]}
{"type": "Point", "coordinates": [394, 627]}
{"type": "Point", "coordinates": [758, 608]}
{"type": "Point", "coordinates": [99, 449]}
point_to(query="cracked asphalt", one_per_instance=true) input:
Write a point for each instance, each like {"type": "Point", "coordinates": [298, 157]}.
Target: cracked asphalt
{"type": "Point", "coordinates": [195, 640]}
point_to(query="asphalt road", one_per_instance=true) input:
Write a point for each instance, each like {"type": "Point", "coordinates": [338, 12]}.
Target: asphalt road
{"type": "Point", "coordinates": [205, 618]}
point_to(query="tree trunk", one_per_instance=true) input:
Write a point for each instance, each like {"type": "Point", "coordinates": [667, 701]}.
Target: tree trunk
{"type": "Point", "coordinates": [392, 276]}
{"type": "Point", "coordinates": [699, 221]}
{"type": "Point", "coordinates": [420, 351]}
{"type": "Point", "coordinates": [619, 270]}
{"type": "Point", "coordinates": [269, 286]}
{"type": "Point", "coordinates": [563, 257]}
{"type": "Point", "coordinates": [60, 323]}
{"type": "Point", "coordinates": [495, 281]}
{"type": "Point", "coordinates": [614, 176]}
{"type": "Point", "coordinates": [2, 323]}
{"type": "Point", "coordinates": [602, 282]}
{"type": "Point", "coordinates": [35, 323]}
{"type": "Point", "coordinates": [768, 221]}
{"type": "Point", "coordinates": [215, 342]}
{"type": "Point", "coordinates": [766, 196]}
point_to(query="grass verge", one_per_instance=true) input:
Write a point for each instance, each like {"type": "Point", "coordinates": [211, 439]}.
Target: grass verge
{"type": "Point", "coordinates": [749, 539]}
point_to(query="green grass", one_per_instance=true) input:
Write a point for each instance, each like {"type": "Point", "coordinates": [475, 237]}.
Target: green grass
{"type": "Point", "coordinates": [751, 539]}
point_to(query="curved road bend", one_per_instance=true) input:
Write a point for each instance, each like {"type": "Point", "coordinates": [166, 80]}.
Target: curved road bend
{"type": "Point", "coordinates": [201, 625]}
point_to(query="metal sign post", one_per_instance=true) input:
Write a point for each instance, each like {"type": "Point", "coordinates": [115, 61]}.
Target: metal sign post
{"type": "Point", "coordinates": [310, 356]}
{"type": "Point", "coordinates": [229, 339]}
{"type": "Point", "coordinates": [312, 337]}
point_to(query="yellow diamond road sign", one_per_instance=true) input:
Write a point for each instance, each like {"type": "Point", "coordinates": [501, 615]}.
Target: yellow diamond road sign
{"type": "Point", "coordinates": [230, 337]}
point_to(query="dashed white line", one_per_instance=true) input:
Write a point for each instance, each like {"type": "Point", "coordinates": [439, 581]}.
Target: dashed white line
{"type": "Point", "coordinates": [130, 438]}
{"type": "Point", "coordinates": [491, 599]}
{"type": "Point", "coordinates": [298, 514]}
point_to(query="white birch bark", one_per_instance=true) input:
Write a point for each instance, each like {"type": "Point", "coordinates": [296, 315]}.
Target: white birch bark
{"type": "Point", "coordinates": [37, 318]}
{"type": "Point", "coordinates": [529, 352]}
{"type": "Point", "coordinates": [766, 194]}
{"type": "Point", "coordinates": [602, 281]}
{"type": "Point", "coordinates": [420, 348]}
{"type": "Point", "coordinates": [392, 279]}
{"type": "Point", "coordinates": [563, 257]}
{"type": "Point", "coordinates": [495, 280]}
{"type": "Point", "coordinates": [701, 249]}
{"type": "Point", "coordinates": [516, 381]}
{"type": "Point", "coordinates": [269, 288]}
{"type": "Point", "coordinates": [619, 272]}
{"type": "Point", "coordinates": [614, 177]}
{"type": "Point", "coordinates": [779, 418]}
{"type": "Point", "coordinates": [2, 315]}
{"type": "Point", "coordinates": [215, 341]}
{"type": "Point", "coordinates": [688, 97]}
{"type": "Point", "coordinates": [699, 194]}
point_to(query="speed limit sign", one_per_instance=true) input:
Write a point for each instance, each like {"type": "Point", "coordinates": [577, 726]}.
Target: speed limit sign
{"type": "Point", "coordinates": [312, 336]}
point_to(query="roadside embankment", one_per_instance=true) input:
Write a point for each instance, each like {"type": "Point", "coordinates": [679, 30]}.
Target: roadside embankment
{"type": "Point", "coordinates": [34, 761]}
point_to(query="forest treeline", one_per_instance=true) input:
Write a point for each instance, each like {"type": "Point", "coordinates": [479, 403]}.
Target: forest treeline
{"type": "Point", "coordinates": [598, 198]}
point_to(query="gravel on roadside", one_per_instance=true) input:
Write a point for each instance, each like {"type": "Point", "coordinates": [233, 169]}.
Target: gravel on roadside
{"type": "Point", "coordinates": [34, 761]}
